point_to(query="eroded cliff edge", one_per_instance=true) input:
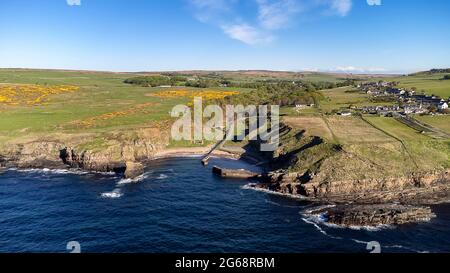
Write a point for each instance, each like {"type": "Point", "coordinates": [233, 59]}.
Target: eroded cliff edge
{"type": "Point", "coordinates": [395, 184]}
{"type": "Point", "coordinates": [110, 153]}
{"type": "Point", "coordinates": [369, 184]}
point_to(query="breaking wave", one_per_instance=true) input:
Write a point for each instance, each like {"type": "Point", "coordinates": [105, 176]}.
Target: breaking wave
{"type": "Point", "coordinates": [51, 171]}
{"type": "Point", "coordinates": [251, 186]}
{"type": "Point", "coordinates": [162, 177]}
{"type": "Point", "coordinates": [322, 220]}
{"type": "Point", "coordinates": [117, 193]}
{"type": "Point", "coordinates": [125, 181]}
{"type": "Point", "coordinates": [59, 171]}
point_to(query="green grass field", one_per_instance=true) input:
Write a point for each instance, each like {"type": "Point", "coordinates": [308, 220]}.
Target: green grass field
{"type": "Point", "coordinates": [397, 129]}
{"type": "Point", "coordinates": [426, 152]}
{"type": "Point", "coordinates": [440, 122]}
{"type": "Point", "coordinates": [429, 84]}
{"type": "Point", "coordinates": [102, 104]}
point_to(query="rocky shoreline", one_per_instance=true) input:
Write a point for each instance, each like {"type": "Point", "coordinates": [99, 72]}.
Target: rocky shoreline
{"type": "Point", "coordinates": [130, 162]}
{"type": "Point", "coordinates": [365, 202]}
{"type": "Point", "coordinates": [371, 204]}
{"type": "Point", "coordinates": [374, 215]}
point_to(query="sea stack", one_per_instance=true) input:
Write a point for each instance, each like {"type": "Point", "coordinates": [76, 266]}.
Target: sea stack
{"type": "Point", "coordinates": [133, 170]}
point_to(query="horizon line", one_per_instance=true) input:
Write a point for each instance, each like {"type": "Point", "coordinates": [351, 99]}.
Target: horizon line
{"type": "Point", "coordinates": [222, 70]}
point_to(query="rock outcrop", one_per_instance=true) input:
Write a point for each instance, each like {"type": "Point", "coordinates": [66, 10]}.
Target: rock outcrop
{"type": "Point", "coordinates": [109, 154]}
{"type": "Point", "coordinates": [425, 188]}
{"type": "Point", "coordinates": [235, 173]}
{"type": "Point", "coordinates": [133, 170]}
{"type": "Point", "coordinates": [375, 215]}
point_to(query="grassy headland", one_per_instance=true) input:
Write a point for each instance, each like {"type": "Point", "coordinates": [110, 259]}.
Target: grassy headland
{"type": "Point", "coordinates": [104, 109]}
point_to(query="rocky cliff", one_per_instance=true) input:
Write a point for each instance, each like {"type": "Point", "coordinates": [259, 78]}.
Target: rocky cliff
{"type": "Point", "coordinates": [371, 175]}
{"type": "Point", "coordinates": [375, 215]}
{"type": "Point", "coordinates": [111, 153]}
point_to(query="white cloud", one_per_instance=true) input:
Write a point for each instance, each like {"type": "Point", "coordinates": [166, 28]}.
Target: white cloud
{"type": "Point", "coordinates": [309, 70]}
{"type": "Point", "coordinates": [206, 10]}
{"type": "Point", "coordinates": [353, 69]}
{"type": "Point", "coordinates": [347, 69]}
{"type": "Point", "coordinates": [260, 25]}
{"type": "Point", "coordinates": [341, 7]}
{"type": "Point", "coordinates": [275, 14]}
{"type": "Point", "coordinates": [247, 34]}
{"type": "Point", "coordinates": [73, 2]}
{"type": "Point", "coordinates": [374, 2]}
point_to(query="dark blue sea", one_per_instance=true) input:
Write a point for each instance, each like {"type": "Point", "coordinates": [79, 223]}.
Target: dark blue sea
{"type": "Point", "coordinates": [180, 206]}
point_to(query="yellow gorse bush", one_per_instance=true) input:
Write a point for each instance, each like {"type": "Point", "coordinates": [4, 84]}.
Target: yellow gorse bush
{"type": "Point", "coordinates": [206, 94]}
{"type": "Point", "coordinates": [31, 94]}
{"type": "Point", "coordinates": [144, 108]}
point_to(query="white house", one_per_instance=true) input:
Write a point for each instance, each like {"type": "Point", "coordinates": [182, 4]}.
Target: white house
{"type": "Point", "coordinates": [443, 106]}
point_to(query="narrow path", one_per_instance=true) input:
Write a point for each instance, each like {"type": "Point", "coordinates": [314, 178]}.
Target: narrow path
{"type": "Point", "coordinates": [335, 138]}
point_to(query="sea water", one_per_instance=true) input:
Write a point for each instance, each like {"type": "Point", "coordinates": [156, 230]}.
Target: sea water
{"type": "Point", "coordinates": [180, 206]}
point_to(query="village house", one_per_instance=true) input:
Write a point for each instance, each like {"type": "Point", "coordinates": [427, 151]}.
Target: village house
{"type": "Point", "coordinates": [396, 91]}
{"type": "Point", "coordinates": [443, 106]}
{"type": "Point", "coordinates": [381, 110]}
{"type": "Point", "coordinates": [303, 106]}
{"type": "Point", "coordinates": [428, 100]}
{"type": "Point", "coordinates": [414, 109]}
{"type": "Point", "coordinates": [415, 103]}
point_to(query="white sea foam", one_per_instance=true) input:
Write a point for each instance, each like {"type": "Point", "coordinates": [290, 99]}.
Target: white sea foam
{"type": "Point", "coordinates": [321, 219]}
{"type": "Point", "coordinates": [372, 228]}
{"type": "Point", "coordinates": [132, 180]}
{"type": "Point", "coordinates": [60, 171]}
{"type": "Point", "coordinates": [280, 205]}
{"type": "Point", "coordinates": [311, 221]}
{"type": "Point", "coordinates": [117, 193]}
{"type": "Point", "coordinates": [162, 177]}
{"type": "Point", "coordinates": [317, 208]}
{"type": "Point", "coordinates": [251, 187]}
{"type": "Point", "coordinates": [51, 171]}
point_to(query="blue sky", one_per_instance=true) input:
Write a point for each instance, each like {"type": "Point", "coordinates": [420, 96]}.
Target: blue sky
{"type": "Point", "coordinates": [136, 35]}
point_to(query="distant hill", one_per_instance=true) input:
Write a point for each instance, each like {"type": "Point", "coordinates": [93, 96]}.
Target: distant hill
{"type": "Point", "coordinates": [432, 72]}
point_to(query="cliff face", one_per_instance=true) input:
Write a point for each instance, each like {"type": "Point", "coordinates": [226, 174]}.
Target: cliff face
{"type": "Point", "coordinates": [313, 168]}
{"type": "Point", "coordinates": [377, 215]}
{"type": "Point", "coordinates": [107, 154]}
{"type": "Point", "coordinates": [424, 188]}
{"type": "Point", "coordinates": [370, 185]}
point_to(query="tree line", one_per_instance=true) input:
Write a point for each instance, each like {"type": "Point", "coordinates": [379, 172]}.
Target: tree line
{"type": "Point", "coordinates": [283, 94]}
{"type": "Point", "coordinates": [155, 81]}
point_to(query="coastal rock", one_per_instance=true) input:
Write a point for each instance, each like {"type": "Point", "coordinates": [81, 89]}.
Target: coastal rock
{"type": "Point", "coordinates": [282, 182]}
{"type": "Point", "coordinates": [319, 187]}
{"type": "Point", "coordinates": [375, 215]}
{"type": "Point", "coordinates": [133, 170]}
{"type": "Point", "coordinates": [104, 161]}
{"type": "Point", "coordinates": [89, 152]}
{"type": "Point", "coordinates": [34, 155]}
{"type": "Point", "coordinates": [235, 173]}
{"type": "Point", "coordinates": [420, 188]}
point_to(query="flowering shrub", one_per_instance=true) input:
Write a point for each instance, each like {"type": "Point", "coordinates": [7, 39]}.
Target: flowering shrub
{"type": "Point", "coordinates": [91, 122]}
{"type": "Point", "coordinates": [31, 94]}
{"type": "Point", "coordinates": [206, 95]}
